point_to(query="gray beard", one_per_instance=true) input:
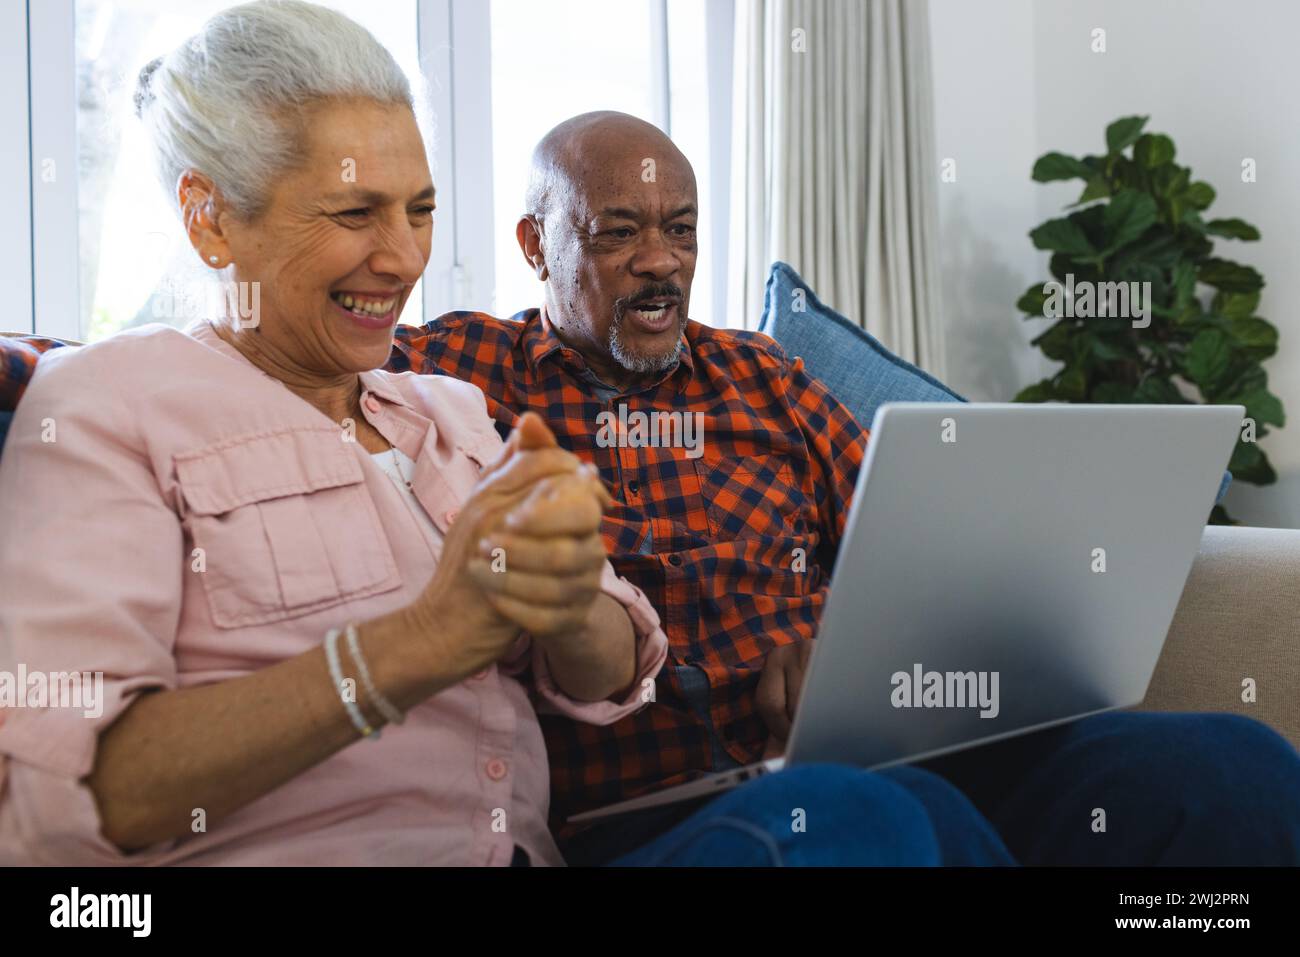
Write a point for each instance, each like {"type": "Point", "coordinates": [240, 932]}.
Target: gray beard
{"type": "Point", "coordinates": [641, 365]}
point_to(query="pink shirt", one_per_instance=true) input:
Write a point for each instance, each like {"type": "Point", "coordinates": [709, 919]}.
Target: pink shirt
{"type": "Point", "coordinates": [128, 455]}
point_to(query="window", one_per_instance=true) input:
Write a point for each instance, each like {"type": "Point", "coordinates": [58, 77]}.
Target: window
{"type": "Point", "coordinates": [554, 60]}
{"type": "Point", "coordinates": [104, 243]}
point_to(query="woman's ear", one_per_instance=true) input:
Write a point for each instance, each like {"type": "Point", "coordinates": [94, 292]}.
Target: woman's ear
{"type": "Point", "coordinates": [528, 232]}
{"type": "Point", "coordinates": [200, 203]}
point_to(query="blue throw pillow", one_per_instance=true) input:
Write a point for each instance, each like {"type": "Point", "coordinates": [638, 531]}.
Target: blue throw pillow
{"type": "Point", "coordinates": [855, 366]}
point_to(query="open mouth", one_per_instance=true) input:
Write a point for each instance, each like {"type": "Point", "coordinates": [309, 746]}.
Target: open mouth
{"type": "Point", "coordinates": [370, 311]}
{"type": "Point", "coordinates": [654, 315]}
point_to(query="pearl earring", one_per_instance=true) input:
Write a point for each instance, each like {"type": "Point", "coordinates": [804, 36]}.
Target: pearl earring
{"type": "Point", "coordinates": [213, 260]}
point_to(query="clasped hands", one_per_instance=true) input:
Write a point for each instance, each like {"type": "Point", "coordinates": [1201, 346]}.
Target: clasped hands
{"type": "Point", "coordinates": [525, 554]}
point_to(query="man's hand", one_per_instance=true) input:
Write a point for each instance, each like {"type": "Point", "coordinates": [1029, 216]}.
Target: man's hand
{"type": "Point", "coordinates": [550, 583]}
{"type": "Point", "coordinates": [458, 612]}
{"type": "Point", "coordinates": [779, 687]}
{"type": "Point", "coordinates": [549, 539]}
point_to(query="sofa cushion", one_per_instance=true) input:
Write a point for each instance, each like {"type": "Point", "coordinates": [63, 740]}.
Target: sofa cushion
{"type": "Point", "coordinates": [855, 366]}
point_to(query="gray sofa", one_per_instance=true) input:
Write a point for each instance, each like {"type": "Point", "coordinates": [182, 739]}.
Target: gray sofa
{"type": "Point", "coordinates": [1239, 618]}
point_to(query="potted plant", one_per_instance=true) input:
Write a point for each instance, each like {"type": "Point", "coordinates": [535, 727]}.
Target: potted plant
{"type": "Point", "coordinates": [1132, 324]}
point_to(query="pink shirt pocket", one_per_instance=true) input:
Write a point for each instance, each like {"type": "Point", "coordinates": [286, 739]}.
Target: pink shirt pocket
{"type": "Point", "coordinates": [283, 524]}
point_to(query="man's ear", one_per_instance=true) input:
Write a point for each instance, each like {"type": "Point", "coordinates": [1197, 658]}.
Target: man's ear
{"type": "Point", "coordinates": [528, 232]}
{"type": "Point", "coordinates": [200, 204]}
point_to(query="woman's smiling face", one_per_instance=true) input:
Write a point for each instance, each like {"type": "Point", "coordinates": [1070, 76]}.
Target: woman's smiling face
{"type": "Point", "coordinates": [341, 240]}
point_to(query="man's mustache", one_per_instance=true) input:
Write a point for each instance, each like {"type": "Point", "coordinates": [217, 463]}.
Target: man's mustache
{"type": "Point", "coordinates": [654, 290]}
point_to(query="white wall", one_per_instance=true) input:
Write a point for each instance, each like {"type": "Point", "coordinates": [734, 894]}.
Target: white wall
{"type": "Point", "coordinates": [984, 100]}
{"type": "Point", "coordinates": [1014, 79]}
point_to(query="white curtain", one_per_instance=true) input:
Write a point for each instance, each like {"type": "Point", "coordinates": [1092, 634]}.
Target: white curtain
{"type": "Point", "coordinates": [833, 163]}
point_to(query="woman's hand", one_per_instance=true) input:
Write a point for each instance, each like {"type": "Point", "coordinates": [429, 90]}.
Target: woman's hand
{"type": "Point", "coordinates": [524, 554]}
{"type": "Point", "coordinates": [541, 566]}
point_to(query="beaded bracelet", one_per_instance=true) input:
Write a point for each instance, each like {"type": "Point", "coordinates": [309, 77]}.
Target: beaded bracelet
{"type": "Point", "coordinates": [385, 707]}
{"type": "Point", "coordinates": [336, 675]}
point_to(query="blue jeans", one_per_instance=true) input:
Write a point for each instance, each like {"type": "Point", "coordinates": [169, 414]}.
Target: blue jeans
{"type": "Point", "coordinates": [1121, 788]}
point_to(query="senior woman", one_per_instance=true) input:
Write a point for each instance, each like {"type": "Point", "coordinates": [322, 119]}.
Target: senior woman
{"type": "Point", "coordinates": [272, 551]}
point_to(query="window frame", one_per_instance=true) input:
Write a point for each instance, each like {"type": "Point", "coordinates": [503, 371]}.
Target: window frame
{"type": "Point", "coordinates": [52, 164]}
{"type": "Point", "coordinates": [16, 168]}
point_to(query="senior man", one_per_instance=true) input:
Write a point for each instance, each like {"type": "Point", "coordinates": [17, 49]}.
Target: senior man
{"type": "Point", "coordinates": [711, 531]}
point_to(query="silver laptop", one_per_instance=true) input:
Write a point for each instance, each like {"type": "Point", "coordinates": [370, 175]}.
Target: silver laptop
{"type": "Point", "coordinates": [1004, 568]}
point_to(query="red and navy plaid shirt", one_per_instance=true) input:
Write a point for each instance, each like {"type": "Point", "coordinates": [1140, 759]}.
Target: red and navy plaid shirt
{"type": "Point", "coordinates": [733, 547]}
{"type": "Point", "coordinates": [18, 358]}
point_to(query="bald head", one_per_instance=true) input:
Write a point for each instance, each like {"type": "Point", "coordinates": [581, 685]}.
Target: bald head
{"type": "Point", "coordinates": [610, 228]}
{"type": "Point", "coordinates": [588, 145]}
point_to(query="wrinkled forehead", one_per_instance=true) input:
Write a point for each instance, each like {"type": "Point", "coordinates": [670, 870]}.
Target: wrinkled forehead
{"type": "Point", "coordinates": [629, 173]}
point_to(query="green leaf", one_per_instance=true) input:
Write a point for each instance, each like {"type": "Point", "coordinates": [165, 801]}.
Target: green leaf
{"type": "Point", "coordinates": [1253, 333]}
{"type": "Point", "coordinates": [1189, 314]}
{"type": "Point", "coordinates": [1244, 455]}
{"type": "Point", "coordinates": [1235, 305]}
{"type": "Point", "coordinates": [1219, 516]}
{"type": "Point", "coordinates": [1169, 180]}
{"type": "Point", "coordinates": [1250, 464]}
{"type": "Point", "coordinates": [1156, 391]}
{"type": "Point", "coordinates": [1232, 229]}
{"type": "Point", "coordinates": [1062, 264]}
{"type": "Point", "coordinates": [1063, 236]}
{"type": "Point", "coordinates": [1124, 132]}
{"type": "Point", "coordinates": [1112, 393]}
{"type": "Point", "coordinates": [1252, 379]}
{"type": "Point", "coordinates": [1153, 149]}
{"type": "Point", "coordinates": [1196, 247]}
{"type": "Point", "coordinates": [1229, 276]}
{"type": "Point", "coordinates": [1207, 358]}
{"type": "Point", "coordinates": [1128, 216]}
{"type": "Point", "coordinates": [1056, 166]}
{"type": "Point", "coordinates": [1110, 349]}
{"type": "Point", "coordinates": [1160, 248]}
{"type": "Point", "coordinates": [1055, 342]}
{"type": "Point", "coordinates": [1199, 194]}
{"type": "Point", "coordinates": [1263, 406]}
{"type": "Point", "coordinates": [1032, 302]}
{"type": "Point", "coordinates": [1072, 384]}
{"type": "Point", "coordinates": [1098, 188]}
{"type": "Point", "coordinates": [1184, 282]}
{"type": "Point", "coordinates": [1038, 392]}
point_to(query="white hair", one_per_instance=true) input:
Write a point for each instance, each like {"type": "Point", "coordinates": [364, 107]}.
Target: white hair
{"type": "Point", "coordinates": [227, 101]}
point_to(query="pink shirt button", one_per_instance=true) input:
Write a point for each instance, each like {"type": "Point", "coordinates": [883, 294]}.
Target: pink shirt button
{"type": "Point", "coordinates": [451, 516]}
{"type": "Point", "coordinates": [496, 769]}
{"type": "Point", "coordinates": [372, 403]}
